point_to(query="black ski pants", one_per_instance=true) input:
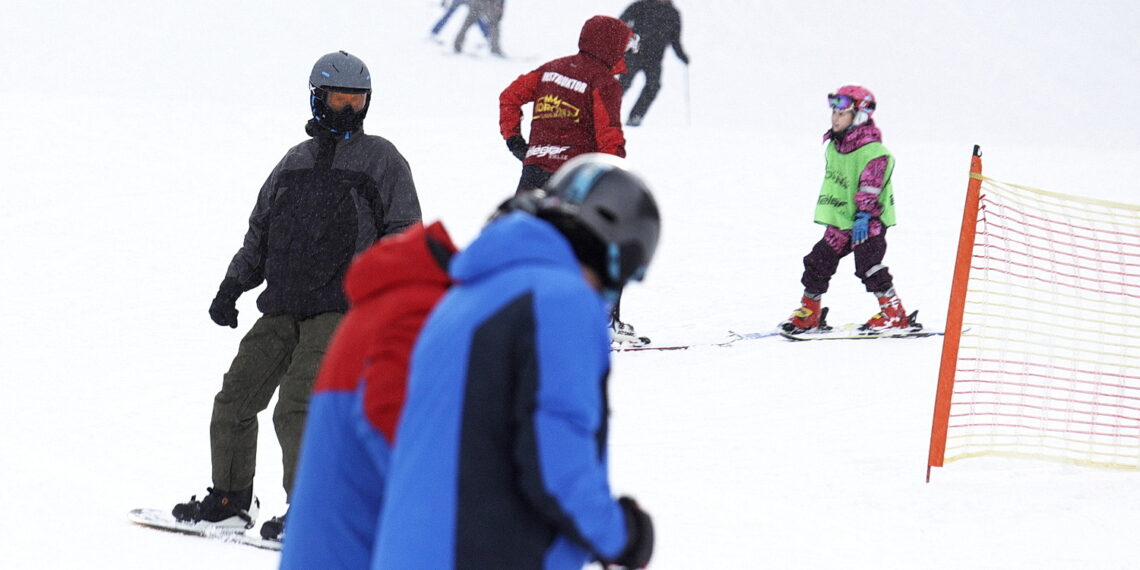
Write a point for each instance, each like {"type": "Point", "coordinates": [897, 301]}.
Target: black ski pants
{"type": "Point", "coordinates": [280, 353]}
{"type": "Point", "coordinates": [533, 177]}
{"type": "Point", "coordinates": [652, 69]}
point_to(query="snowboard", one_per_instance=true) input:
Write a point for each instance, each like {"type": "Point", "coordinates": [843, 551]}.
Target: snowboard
{"type": "Point", "coordinates": [163, 520]}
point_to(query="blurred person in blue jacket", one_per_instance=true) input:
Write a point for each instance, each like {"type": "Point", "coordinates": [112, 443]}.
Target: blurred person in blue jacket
{"type": "Point", "coordinates": [501, 458]}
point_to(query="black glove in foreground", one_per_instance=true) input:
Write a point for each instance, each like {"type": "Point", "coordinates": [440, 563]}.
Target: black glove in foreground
{"type": "Point", "coordinates": [639, 529]}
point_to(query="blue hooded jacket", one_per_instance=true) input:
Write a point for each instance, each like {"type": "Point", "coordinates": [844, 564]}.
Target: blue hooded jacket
{"type": "Point", "coordinates": [500, 457]}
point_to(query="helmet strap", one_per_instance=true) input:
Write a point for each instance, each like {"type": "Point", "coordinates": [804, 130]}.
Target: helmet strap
{"type": "Point", "coordinates": [613, 263]}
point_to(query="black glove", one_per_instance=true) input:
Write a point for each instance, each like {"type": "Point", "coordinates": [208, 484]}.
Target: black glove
{"type": "Point", "coordinates": [518, 146]}
{"type": "Point", "coordinates": [639, 529]}
{"type": "Point", "coordinates": [224, 308]}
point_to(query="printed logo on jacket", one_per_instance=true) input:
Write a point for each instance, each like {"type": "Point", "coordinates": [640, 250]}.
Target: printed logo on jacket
{"type": "Point", "coordinates": [548, 151]}
{"type": "Point", "coordinates": [837, 178]}
{"type": "Point", "coordinates": [563, 81]}
{"type": "Point", "coordinates": [554, 107]}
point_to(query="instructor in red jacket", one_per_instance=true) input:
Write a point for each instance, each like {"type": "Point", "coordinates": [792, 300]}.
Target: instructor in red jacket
{"type": "Point", "coordinates": [577, 104]}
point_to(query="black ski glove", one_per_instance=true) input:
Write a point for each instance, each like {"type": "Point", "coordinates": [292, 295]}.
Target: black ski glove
{"type": "Point", "coordinates": [639, 529]}
{"type": "Point", "coordinates": [223, 310]}
{"type": "Point", "coordinates": [518, 146]}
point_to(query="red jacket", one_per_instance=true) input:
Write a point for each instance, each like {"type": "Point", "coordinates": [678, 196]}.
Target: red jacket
{"type": "Point", "coordinates": [391, 287]}
{"type": "Point", "coordinates": [577, 101]}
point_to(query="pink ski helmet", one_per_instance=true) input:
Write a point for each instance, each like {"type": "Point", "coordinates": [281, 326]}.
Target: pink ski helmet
{"type": "Point", "coordinates": [854, 97]}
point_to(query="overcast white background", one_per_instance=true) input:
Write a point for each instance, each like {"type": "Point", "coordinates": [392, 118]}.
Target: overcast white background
{"type": "Point", "coordinates": [138, 133]}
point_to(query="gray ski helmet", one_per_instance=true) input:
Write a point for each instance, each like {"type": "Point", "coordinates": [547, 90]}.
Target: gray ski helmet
{"type": "Point", "coordinates": [340, 70]}
{"type": "Point", "coordinates": [603, 202]}
{"type": "Point", "coordinates": [343, 72]}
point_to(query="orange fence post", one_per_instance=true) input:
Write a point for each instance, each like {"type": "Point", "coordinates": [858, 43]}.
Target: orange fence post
{"type": "Point", "coordinates": [953, 337]}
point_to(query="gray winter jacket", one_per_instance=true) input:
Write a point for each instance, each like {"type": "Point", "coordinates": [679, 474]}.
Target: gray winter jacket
{"type": "Point", "coordinates": [327, 200]}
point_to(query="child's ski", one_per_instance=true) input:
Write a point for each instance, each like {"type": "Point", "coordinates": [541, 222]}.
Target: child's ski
{"type": "Point", "coordinates": [733, 338]}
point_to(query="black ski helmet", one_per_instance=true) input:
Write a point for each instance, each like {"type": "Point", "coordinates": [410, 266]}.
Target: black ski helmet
{"type": "Point", "coordinates": [608, 214]}
{"type": "Point", "coordinates": [339, 71]}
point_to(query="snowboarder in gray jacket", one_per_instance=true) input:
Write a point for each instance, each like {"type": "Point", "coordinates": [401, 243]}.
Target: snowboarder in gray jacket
{"type": "Point", "coordinates": [329, 198]}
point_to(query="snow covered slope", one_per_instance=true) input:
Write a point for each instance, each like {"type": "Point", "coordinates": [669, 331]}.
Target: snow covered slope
{"type": "Point", "coordinates": [139, 133]}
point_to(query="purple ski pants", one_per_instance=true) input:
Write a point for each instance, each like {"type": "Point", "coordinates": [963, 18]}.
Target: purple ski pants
{"type": "Point", "coordinates": [823, 261]}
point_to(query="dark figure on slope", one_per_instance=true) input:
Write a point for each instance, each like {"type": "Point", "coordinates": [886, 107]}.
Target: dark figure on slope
{"type": "Point", "coordinates": [657, 24]}
{"type": "Point", "coordinates": [328, 199]}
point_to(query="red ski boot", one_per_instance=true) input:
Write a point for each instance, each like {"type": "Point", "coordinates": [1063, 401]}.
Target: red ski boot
{"type": "Point", "coordinates": [891, 314]}
{"type": "Point", "coordinates": [808, 317]}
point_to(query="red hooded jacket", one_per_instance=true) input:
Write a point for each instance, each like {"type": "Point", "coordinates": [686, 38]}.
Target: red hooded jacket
{"type": "Point", "coordinates": [391, 288]}
{"type": "Point", "coordinates": [577, 101]}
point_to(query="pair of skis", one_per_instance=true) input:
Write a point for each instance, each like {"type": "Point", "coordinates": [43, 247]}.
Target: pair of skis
{"type": "Point", "coordinates": [823, 332]}
{"type": "Point", "coordinates": [858, 332]}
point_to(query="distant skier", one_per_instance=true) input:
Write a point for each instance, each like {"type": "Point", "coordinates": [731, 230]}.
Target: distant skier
{"type": "Point", "coordinates": [577, 104]}
{"type": "Point", "coordinates": [335, 509]}
{"type": "Point", "coordinates": [449, 10]}
{"type": "Point", "coordinates": [328, 199]}
{"type": "Point", "coordinates": [657, 24]}
{"type": "Point", "coordinates": [489, 12]}
{"type": "Point", "coordinates": [501, 454]}
{"type": "Point", "coordinates": [856, 204]}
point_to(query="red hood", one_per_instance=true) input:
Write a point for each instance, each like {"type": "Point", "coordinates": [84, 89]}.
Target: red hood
{"type": "Point", "coordinates": [397, 260]}
{"type": "Point", "coordinates": [606, 39]}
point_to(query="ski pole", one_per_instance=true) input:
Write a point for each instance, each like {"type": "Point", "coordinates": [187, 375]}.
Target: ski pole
{"type": "Point", "coordinates": [688, 100]}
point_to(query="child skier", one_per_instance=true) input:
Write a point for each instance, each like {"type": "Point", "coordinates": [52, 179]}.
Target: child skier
{"type": "Point", "coordinates": [856, 204]}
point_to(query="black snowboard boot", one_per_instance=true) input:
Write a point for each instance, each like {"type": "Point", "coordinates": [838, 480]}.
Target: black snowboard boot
{"type": "Point", "coordinates": [274, 528]}
{"type": "Point", "coordinates": [224, 509]}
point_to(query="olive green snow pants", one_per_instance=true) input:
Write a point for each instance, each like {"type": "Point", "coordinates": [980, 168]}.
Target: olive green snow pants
{"type": "Point", "coordinates": [280, 351]}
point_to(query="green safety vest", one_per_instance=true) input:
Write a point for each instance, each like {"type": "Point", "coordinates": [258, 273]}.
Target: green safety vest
{"type": "Point", "coordinates": [836, 204]}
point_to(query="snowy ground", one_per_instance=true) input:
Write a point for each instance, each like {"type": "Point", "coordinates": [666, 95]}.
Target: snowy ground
{"type": "Point", "coordinates": [139, 133]}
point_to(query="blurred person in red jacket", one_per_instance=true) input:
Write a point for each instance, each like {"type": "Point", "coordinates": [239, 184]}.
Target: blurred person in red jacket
{"type": "Point", "coordinates": [333, 519]}
{"type": "Point", "coordinates": [577, 104]}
